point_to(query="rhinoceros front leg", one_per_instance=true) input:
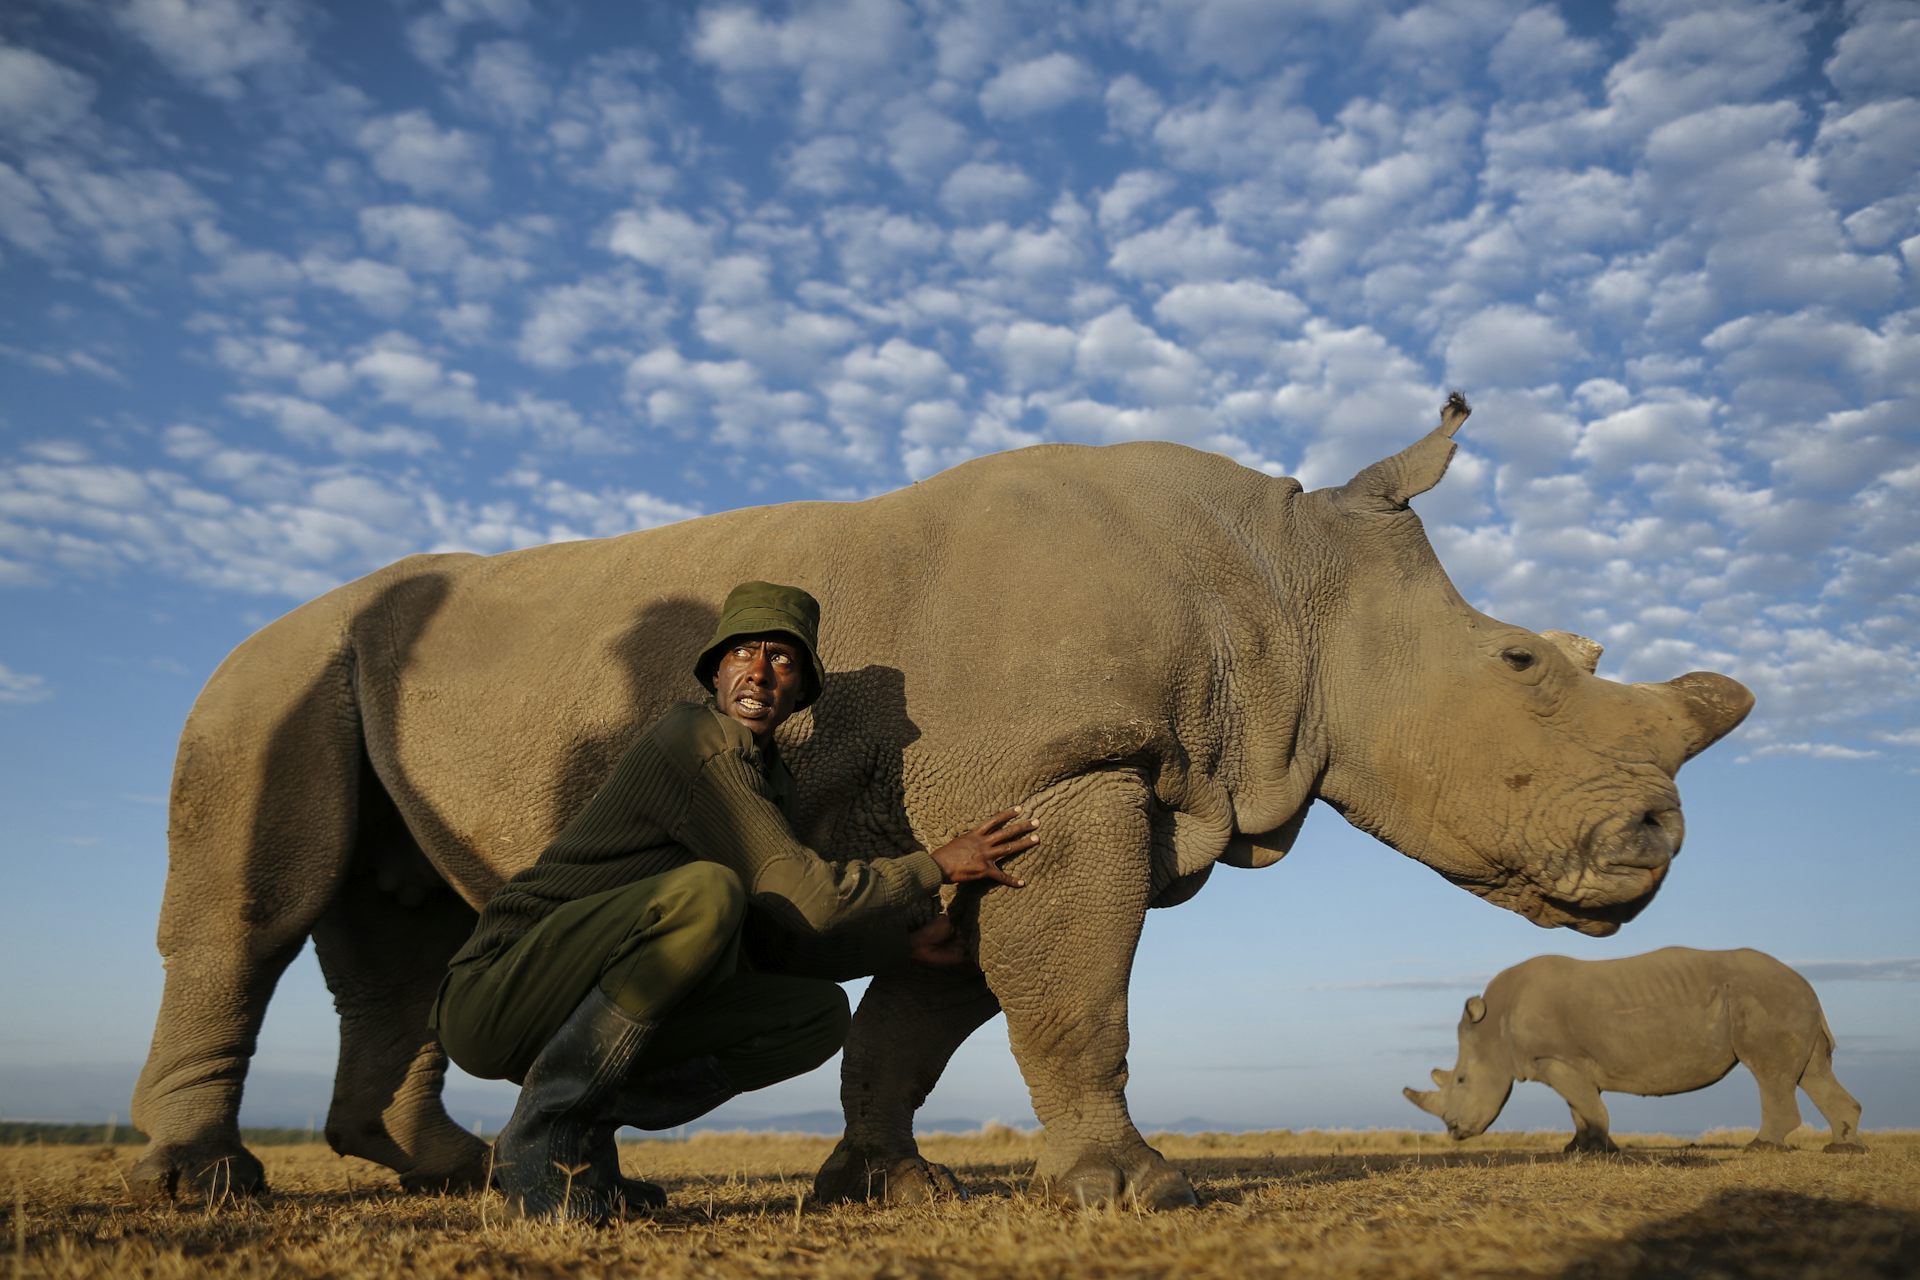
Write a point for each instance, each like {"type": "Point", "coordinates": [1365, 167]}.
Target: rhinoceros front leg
{"type": "Point", "coordinates": [908, 1025]}
{"type": "Point", "coordinates": [383, 945]}
{"type": "Point", "coordinates": [1590, 1119]}
{"type": "Point", "coordinates": [1059, 954]}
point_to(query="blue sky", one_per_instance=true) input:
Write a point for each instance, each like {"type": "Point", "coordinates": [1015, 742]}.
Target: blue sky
{"type": "Point", "coordinates": [290, 290]}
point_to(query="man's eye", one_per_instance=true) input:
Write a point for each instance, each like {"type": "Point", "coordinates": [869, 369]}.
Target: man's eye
{"type": "Point", "coordinates": [785, 659]}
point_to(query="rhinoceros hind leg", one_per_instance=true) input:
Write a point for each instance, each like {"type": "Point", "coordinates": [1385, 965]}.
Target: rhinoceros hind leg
{"type": "Point", "coordinates": [1779, 1112]}
{"type": "Point", "coordinates": [260, 830]}
{"type": "Point", "coordinates": [383, 944]}
{"type": "Point", "coordinates": [188, 1098]}
{"type": "Point", "coordinates": [1059, 954]}
{"type": "Point", "coordinates": [908, 1025]}
{"type": "Point", "coordinates": [1841, 1109]}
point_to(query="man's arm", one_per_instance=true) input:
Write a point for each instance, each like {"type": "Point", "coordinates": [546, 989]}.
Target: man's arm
{"type": "Point", "coordinates": [731, 820]}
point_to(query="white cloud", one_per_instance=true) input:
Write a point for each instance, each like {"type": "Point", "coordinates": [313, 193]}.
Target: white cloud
{"type": "Point", "coordinates": [1875, 56]}
{"type": "Point", "coordinates": [1130, 193]}
{"type": "Point", "coordinates": [924, 144]}
{"type": "Point", "coordinates": [828, 165]}
{"type": "Point", "coordinates": [1117, 348]}
{"type": "Point", "coordinates": [212, 44]}
{"type": "Point", "coordinates": [984, 187]}
{"type": "Point", "coordinates": [1509, 346]}
{"type": "Point", "coordinates": [665, 239]}
{"type": "Point", "coordinates": [837, 48]}
{"type": "Point", "coordinates": [58, 203]}
{"type": "Point", "coordinates": [20, 687]}
{"type": "Point", "coordinates": [1132, 105]}
{"type": "Point", "coordinates": [435, 36]}
{"type": "Point", "coordinates": [39, 98]}
{"type": "Point", "coordinates": [1709, 57]}
{"type": "Point", "coordinates": [315, 425]}
{"type": "Point", "coordinates": [1181, 248]}
{"type": "Point", "coordinates": [1672, 428]}
{"type": "Point", "coordinates": [1038, 85]}
{"type": "Point", "coordinates": [411, 150]}
{"type": "Point", "coordinates": [1239, 304]}
{"type": "Point", "coordinates": [384, 290]}
{"type": "Point", "coordinates": [564, 316]}
{"type": "Point", "coordinates": [506, 79]}
{"type": "Point", "coordinates": [1538, 54]}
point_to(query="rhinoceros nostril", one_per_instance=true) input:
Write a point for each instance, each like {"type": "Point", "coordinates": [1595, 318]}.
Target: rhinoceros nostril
{"type": "Point", "coordinates": [1667, 826]}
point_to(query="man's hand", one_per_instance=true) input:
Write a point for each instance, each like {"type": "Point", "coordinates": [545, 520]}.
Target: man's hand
{"type": "Point", "coordinates": [976, 854]}
{"type": "Point", "coordinates": [936, 943]}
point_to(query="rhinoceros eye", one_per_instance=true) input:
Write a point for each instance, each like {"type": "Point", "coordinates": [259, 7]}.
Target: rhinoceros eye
{"type": "Point", "coordinates": [1517, 658]}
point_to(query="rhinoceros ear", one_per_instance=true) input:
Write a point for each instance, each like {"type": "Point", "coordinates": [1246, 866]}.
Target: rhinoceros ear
{"type": "Point", "coordinates": [1389, 484]}
{"type": "Point", "coordinates": [1582, 652]}
{"type": "Point", "coordinates": [1476, 1008]}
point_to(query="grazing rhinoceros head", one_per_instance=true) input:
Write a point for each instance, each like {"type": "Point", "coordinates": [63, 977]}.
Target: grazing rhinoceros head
{"type": "Point", "coordinates": [1489, 752]}
{"type": "Point", "coordinates": [1471, 1097]}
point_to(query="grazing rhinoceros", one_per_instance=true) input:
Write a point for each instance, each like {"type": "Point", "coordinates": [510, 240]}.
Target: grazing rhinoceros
{"type": "Point", "coordinates": [1167, 655]}
{"type": "Point", "coordinates": [1670, 1021]}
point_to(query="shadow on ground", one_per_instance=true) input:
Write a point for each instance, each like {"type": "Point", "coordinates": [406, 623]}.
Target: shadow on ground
{"type": "Point", "coordinates": [1233, 1179]}
{"type": "Point", "coordinates": [1758, 1235]}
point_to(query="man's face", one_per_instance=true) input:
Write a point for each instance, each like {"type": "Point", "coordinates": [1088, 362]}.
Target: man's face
{"type": "Point", "coordinates": [758, 681]}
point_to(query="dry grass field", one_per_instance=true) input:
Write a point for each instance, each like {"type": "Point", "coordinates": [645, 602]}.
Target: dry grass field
{"type": "Point", "coordinates": [1367, 1204]}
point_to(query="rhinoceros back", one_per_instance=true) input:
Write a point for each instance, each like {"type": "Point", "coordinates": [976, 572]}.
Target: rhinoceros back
{"type": "Point", "coordinates": [1664, 1022]}
{"type": "Point", "coordinates": [972, 624]}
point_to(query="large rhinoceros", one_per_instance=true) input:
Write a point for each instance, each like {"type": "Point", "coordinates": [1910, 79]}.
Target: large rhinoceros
{"type": "Point", "coordinates": [1670, 1021]}
{"type": "Point", "coordinates": [1169, 656]}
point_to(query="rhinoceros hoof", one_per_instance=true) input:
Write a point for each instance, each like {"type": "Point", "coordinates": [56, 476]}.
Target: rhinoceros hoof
{"type": "Point", "coordinates": [856, 1174]}
{"type": "Point", "coordinates": [465, 1173]}
{"type": "Point", "coordinates": [1592, 1144]}
{"type": "Point", "coordinates": [1152, 1184]}
{"type": "Point", "coordinates": [207, 1173]}
{"type": "Point", "coordinates": [1762, 1144]}
{"type": "Point", "coordinates": [1845, 1149]}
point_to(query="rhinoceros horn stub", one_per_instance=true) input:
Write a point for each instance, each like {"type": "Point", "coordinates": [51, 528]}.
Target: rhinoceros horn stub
{"type": "Point", "coordinates": [1714, 705]}
{"type": "Point", "coordinates": [1582, 652]}
{"type": "Point", "coordinates": [1389, 484]}
{"type": "Point", "coordinates": [1425, 1099]}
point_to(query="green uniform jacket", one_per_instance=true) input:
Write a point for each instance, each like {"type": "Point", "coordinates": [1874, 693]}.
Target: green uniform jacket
{"type": "Point", "coordinates": [697, 786]}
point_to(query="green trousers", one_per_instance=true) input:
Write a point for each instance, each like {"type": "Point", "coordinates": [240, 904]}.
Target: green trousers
{"type": "Point", "coordinates": [666, 949]}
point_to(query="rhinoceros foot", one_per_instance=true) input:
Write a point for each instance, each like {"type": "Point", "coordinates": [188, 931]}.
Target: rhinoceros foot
{"type": "Point", "coordinates": [1598, 1144]}
{"type": "Point", "coordinates": [433, 1157]}
{"type": "Point", "coordinates": [1762, 1144]}
{"type": "Point", "coordinates": [206, 1172]}
{"type": "Point", "coordinates": [1845, 1149]}
{"type": "Point", "coordinates": [1144, 1179]}
{"type": "Point", "coordinates": [857, 1173]}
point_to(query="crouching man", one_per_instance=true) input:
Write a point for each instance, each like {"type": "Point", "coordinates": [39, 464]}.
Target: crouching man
{"type": "Point", "coordinates": [648, 966]}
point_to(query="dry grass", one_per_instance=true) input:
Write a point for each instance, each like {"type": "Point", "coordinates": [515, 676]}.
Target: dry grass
{"type": "Point", "coordinates": [1370, 1204]}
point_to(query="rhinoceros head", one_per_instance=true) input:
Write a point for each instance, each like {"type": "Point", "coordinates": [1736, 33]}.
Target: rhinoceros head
{"type": "Point", "coordinates": [1470, 1097]}
{"type": "Point", "coordinates": [1492, 753]}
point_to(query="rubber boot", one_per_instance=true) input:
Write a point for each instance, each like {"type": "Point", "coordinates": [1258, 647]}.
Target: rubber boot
{"type": "Point", "coordinates": [547, 1161]}
{"type": "Point", "coordinates": [663, 1098]}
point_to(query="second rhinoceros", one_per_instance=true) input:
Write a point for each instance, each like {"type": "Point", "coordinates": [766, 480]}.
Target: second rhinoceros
{"type": "Point", "coordinates": [1169, 656]}
{"type": "Point", "coordinates": [1670, 1021]}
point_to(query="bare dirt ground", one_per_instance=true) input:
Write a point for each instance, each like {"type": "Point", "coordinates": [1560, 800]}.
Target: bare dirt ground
{"type": "Point", "coordinates": [1361, 1204]}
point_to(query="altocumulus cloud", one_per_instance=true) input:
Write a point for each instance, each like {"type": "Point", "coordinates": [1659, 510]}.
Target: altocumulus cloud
{"type": "Point", "coordinates": [283, 314]}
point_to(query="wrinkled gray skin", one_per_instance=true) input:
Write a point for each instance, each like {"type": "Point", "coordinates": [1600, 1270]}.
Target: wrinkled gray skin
{"type": "Point", "coordinates": [1168, 656]}
{"type": "Point", "coordinates": [1670, 1021]}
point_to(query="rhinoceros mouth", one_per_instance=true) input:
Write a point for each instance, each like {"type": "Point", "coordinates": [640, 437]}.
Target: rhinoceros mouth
{"type": "Point", "coordinates": [1596, 921]}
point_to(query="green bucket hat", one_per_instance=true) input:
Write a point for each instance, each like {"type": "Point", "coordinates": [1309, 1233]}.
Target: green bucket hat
{"type": "Point", "coordinates": [754, 608]}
